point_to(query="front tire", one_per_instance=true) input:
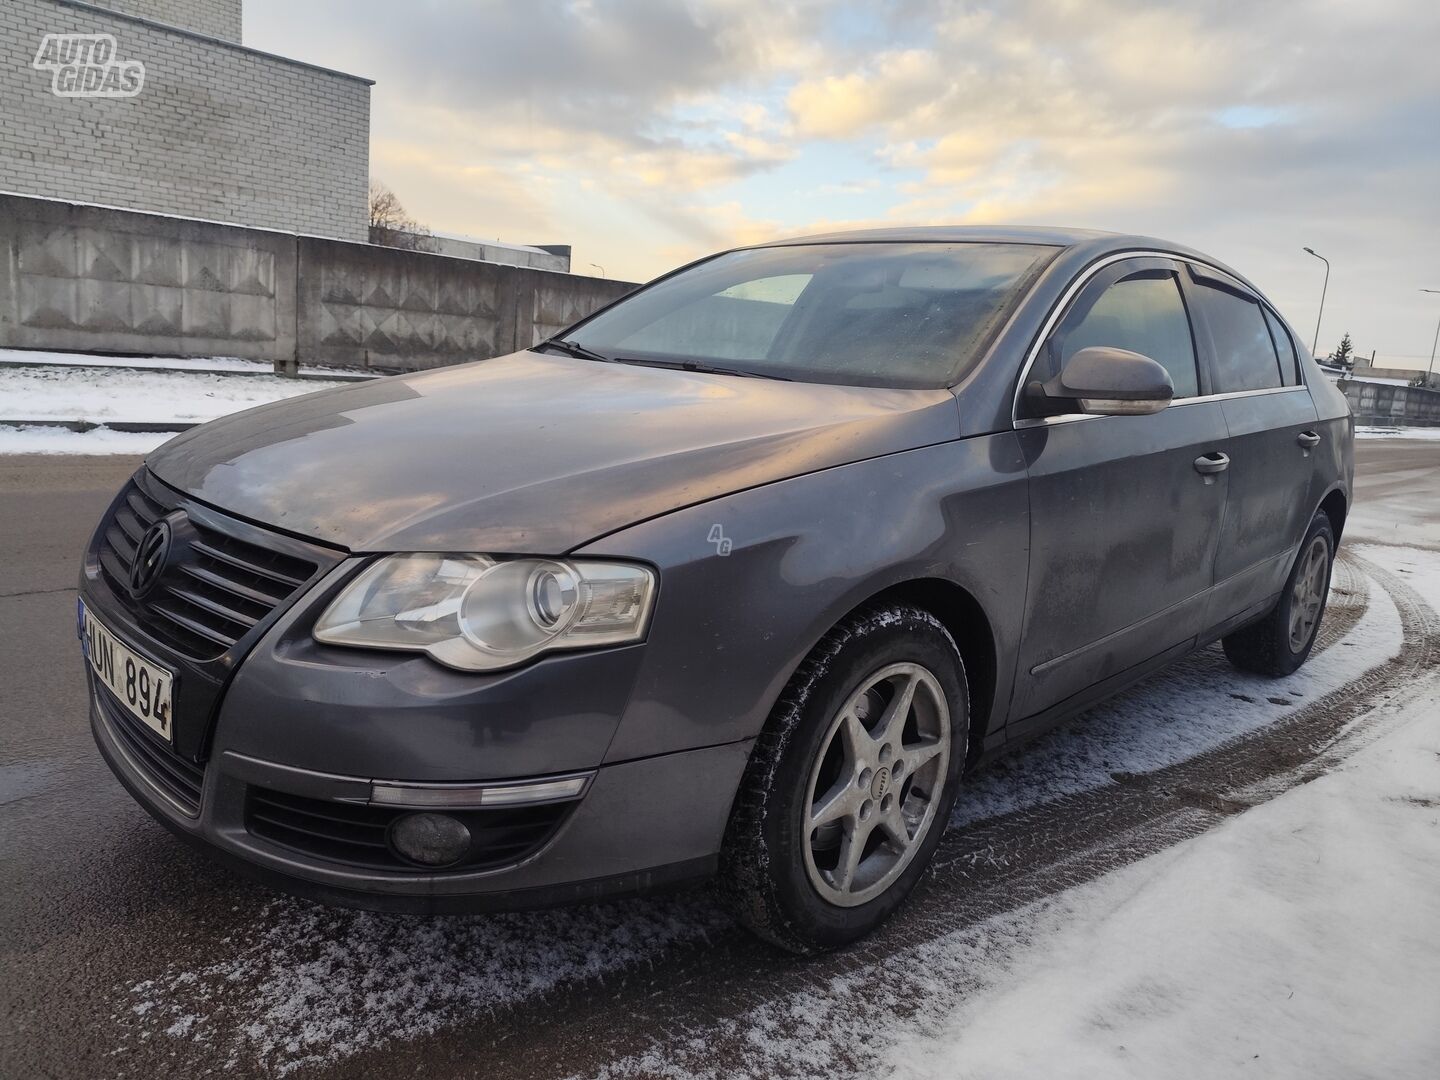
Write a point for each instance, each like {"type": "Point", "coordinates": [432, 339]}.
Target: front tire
{"type": "Point", "coordinates": [850, 785]}
{"type": "Point", "coordinates": [1282, 641]}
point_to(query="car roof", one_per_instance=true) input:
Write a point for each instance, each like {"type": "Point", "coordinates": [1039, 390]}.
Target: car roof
{"type": "Point", "coordinates": [1005, 234]}
{"type": "Point", "coordinates": [1080, 246]}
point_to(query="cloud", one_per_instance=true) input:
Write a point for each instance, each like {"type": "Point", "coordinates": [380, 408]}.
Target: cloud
{"type": "Point", "coordinates": [648, 131]}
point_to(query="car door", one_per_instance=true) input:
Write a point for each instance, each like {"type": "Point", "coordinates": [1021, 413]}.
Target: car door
{"type": "Point", "coordinates": [1125, 511]}
{"type": "Point", "coordinates": [1273, 433]}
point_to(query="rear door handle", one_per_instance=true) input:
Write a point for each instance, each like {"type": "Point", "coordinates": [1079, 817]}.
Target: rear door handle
{"type": "Point", "coordinates": [1308, 439]}
{"type": "Point", "coordinates": [1210, 464]}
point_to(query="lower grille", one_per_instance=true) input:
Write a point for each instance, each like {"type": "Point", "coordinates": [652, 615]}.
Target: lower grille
{"type": "Point", "coordinates": [355, 834]}
{"type": "Point", "coordinates": [178, 778]}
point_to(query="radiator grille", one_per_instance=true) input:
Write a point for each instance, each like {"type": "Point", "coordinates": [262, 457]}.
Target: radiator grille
{"type": "Point", "coordinates": [216, 587]}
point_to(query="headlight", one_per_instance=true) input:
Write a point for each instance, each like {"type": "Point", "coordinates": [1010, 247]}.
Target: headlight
{"type": "Point", "coordinates": [479, 614]}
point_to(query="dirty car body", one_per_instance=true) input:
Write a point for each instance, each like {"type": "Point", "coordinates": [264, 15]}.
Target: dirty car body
{"type": "Point", "coordinates": [1067, 553]}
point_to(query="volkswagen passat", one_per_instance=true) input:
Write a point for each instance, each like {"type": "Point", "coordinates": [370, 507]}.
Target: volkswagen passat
{"type": "Point", "coordinates": [737, 576]}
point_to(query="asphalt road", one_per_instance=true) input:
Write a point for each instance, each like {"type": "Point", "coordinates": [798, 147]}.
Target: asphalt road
{"type": "Point", "coordinates": [123, 953]}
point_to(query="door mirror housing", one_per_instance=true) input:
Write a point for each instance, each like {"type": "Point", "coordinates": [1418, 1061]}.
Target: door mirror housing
{"type": "Point", "coordinates": [1103, 381]}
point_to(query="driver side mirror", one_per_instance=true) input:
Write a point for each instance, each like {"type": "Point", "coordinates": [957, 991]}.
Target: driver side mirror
{"type": "Point", "coordinates": [1102, 381]}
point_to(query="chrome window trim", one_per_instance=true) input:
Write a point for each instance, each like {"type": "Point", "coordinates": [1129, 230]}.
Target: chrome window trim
{"type": "Point", "coordinates": [1069, 418]}
{"type": "Point", "coordinates": [1062, 308]}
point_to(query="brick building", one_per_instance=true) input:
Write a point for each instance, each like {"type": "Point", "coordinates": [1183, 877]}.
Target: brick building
{"type": "Point", "coordinates": [217, 131]}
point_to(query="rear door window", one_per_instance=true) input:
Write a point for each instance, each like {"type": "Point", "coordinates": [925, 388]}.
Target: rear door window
{"type": "Point", "coordinates": [1285, 346]}
{"type": "Point", "coordinates": [1245, 356]}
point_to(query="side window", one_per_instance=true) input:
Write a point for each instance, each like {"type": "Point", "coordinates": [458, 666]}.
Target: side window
{"type": "Point", "coordinates": [1285, 346]}
{"type": "Point", "coordinates": [1245, 357]}
{"type": "Point", "coordinates": [1144, 314]}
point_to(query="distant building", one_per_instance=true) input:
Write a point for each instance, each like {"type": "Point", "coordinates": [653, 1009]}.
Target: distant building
{"type": "Point", "coordinates": [1365, 370]}
{"type": "Point", "coordinates": [155, 105]}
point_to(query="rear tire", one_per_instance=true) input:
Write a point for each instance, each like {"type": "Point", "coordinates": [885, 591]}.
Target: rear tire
{"type": "Point", "coordinates": [1281, 642]}
{"type": "Point", "coordinates": [849, 787]}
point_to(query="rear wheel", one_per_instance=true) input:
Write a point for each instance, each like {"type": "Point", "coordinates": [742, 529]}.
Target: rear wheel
{"type": "Point", "coordinates": [1281, 642]}
{"type": "Point", "coordinates": [849, 788]}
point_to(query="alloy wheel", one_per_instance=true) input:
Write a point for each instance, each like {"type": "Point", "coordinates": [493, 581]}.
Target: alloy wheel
{"type": "Point", "coordinates": [1308, 595]}
{"type": "Point", "coordinates": [876, 784]}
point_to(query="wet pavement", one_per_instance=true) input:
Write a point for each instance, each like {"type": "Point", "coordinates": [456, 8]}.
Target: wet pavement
{"type": "Point", "coordinates": [126, 954]}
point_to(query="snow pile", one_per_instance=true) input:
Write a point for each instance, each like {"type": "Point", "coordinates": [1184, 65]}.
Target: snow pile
{"type": "Point", "coordinates": [1431, 434]}
{"type": "Point", "coordinates": [100, 394]}
{"type": "Point", "coordinates": [1298, 939]}
{"type": "Point", "coordinates": [103, 391]}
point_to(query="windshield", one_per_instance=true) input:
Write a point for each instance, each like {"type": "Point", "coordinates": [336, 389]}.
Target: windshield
{"type": "Point", "coordinates": [902, 315]}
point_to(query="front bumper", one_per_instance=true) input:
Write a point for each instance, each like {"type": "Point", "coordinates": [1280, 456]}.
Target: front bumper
{"type": "Point", "coordinates": [640, 825]}
{"type": "Point", "coordinates": [278, 740]}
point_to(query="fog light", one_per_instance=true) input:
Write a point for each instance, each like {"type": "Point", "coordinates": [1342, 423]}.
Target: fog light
{"type": "Point", "coordinates": [430, 839]}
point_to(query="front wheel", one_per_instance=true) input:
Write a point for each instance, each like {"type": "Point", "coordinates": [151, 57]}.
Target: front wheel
{"type": "Point", "coordinates": [849, 788]}
{"type": "Point", "coordinates": [1282, 641]}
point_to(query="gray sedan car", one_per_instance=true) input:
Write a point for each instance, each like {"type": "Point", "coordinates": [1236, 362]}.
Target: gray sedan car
{"type": "Point", "coordinates": [738, 576]}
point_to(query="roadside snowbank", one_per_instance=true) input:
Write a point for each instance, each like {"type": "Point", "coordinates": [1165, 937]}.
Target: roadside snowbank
{"type": "Point", "coordinates": [107, 392]}
{"type": "Point", "coordinates": [1423, 434]}
{"type": "Point", "coordinates": [1298, 940]}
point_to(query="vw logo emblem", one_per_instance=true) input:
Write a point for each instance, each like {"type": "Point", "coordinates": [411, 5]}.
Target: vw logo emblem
{"type": "Point", "coordinates": [150, 556]}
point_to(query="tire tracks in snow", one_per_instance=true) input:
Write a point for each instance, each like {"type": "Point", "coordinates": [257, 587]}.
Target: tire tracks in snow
{"type": "Point", "coordinates": [729, 1006]}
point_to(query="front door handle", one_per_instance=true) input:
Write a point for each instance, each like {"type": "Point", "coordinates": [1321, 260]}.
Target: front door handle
{"type": "Point", "coordinates": [1308, 440]}
{"type": "Point", "coordinates": [1209, 464]}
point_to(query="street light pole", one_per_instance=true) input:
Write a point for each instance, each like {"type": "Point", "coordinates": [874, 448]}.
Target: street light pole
{"type": "Point", "coordinates": [1320, 314]}
{"type": "Point", "coordinates": [1430, 371]}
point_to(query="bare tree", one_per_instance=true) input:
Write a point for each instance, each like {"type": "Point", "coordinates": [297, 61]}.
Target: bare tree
{"type": "Point", "coordinates": [391, 226]}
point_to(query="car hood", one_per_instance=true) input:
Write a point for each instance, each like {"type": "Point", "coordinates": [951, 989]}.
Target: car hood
{"type": "Point", "coordinates": [530, 453]}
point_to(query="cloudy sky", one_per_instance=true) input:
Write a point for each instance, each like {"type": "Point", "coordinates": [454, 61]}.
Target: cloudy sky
{"type": "Point", "coordinates": [646, 133]}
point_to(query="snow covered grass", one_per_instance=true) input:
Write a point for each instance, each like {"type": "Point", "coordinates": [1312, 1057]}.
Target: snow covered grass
{"type": "Point", "coordinates": [160, 363]}
{"type": "Point", "coordinates": [1431, 434]}
{"type": "Point", "coordinates": [102, 391]}
{"type": "Point", "coordinates": [57, 440]}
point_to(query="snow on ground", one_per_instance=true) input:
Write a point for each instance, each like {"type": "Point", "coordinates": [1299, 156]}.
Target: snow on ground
{"type": "Point", "coordinates": [1428, 434]}
{"type": "Point", "coordinates": [1296, 940]}
{"type": "Point", "coordinates": [108, 393]}
{"type": "Point", "coordinates": [56, 440]}
{"type": "Point", "coordinates": [1184, 711]}
{"type": "Point", "coordinates": [162, 363]}
{"type": "Point", "coordinates": [397, 977]}
{"type": "Point", "coordinates": [962, 1006]}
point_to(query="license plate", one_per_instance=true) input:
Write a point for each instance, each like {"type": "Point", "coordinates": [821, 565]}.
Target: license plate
{"type": "Point", "coordinates": [145, 689]}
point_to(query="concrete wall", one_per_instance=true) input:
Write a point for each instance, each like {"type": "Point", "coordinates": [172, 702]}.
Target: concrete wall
{"type": "Point", "coordinates": [387, 308]}
{"type": "Point", "coordinates": [1382, 405]}
{"type": "Point", "coordinates": [216, 18]}
{"type": "Point", "coordinates": [552, 257]}
{"type": "Point", "coordinates": [84, 278]}
{"type": "Point", "coordinates": [218, 131]}
{"type": "Point", "coordinates": [90, 279]}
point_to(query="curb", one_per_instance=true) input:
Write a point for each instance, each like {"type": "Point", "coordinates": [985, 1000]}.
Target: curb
{"type": "Point", "coordinates": [159, 427]}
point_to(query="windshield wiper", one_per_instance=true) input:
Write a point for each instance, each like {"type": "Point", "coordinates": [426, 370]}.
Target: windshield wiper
{"type": "Point", "coordinates": [703, 369]}
{"type": "Point", "coordinates": [575, 349]}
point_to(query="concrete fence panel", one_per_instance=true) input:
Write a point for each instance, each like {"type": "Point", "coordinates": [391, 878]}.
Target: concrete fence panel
{"type": "Point", "coordinates": [85, 278]}
{"type": "Point", "coordinates": [79, 278]}
{"type": "Point", "coordinates": [1384, 405]}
